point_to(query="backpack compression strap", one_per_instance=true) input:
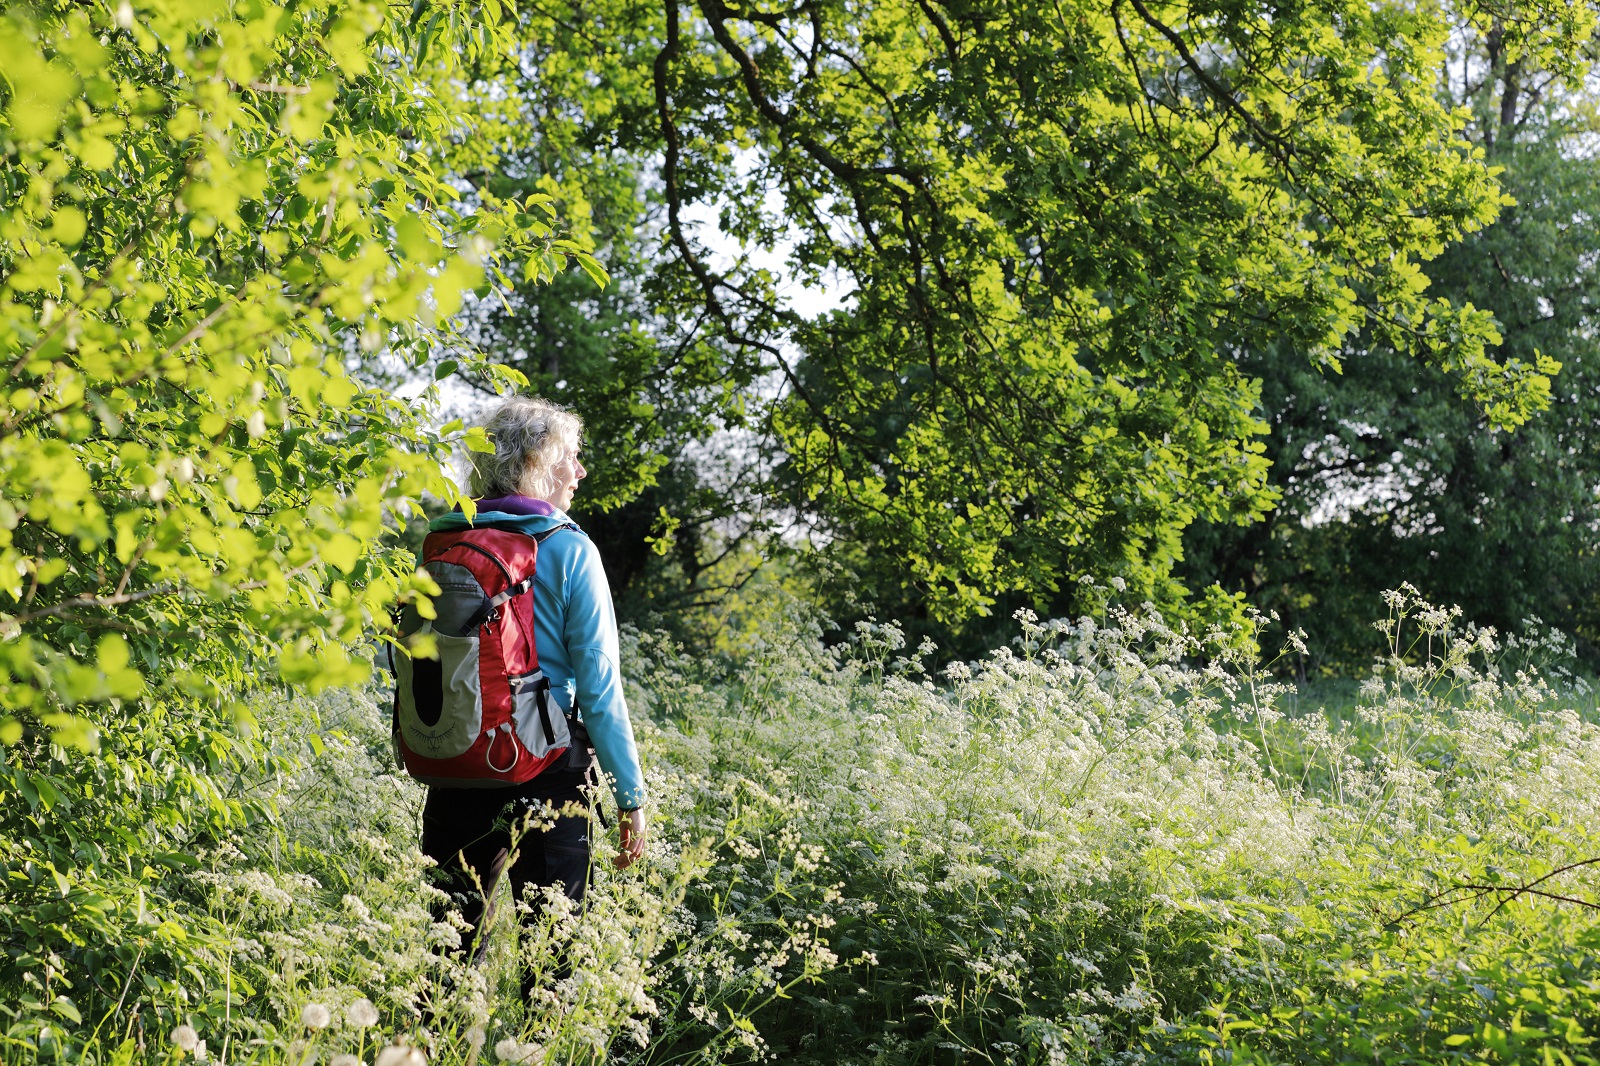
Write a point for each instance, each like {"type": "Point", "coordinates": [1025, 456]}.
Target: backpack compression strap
{"type": "Point", "coordinates": [495, 602]}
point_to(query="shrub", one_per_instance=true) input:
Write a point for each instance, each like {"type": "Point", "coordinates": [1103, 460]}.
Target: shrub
{"type": "Point", "coordinates": [206, 210]}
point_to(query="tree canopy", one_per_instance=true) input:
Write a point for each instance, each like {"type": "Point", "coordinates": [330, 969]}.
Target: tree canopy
{"type": "Point", "coordinates": [1387, 474]}
{"type": "Point", "coordinates": [1053, 229]}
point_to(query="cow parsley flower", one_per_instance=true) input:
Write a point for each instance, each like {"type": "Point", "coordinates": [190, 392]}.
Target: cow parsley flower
{"type": "Point", "coordinates": [401, 1055]}
{"type": "Point", "coordinates": [511, 1050]}
{"type": "Point", "coordinates": [356, 908]}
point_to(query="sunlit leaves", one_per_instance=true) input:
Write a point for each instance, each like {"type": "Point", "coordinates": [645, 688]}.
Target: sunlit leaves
{"type": "Point", "coordinates": [215, 216]}
{"type": "Point", "coordinates": [1054, 227]}
{"type": "Point", "coordinates": [206, 212]}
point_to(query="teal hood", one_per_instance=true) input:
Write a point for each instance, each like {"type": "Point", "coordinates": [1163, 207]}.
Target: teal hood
{"type": "Point", "coordinates": [531, 524]}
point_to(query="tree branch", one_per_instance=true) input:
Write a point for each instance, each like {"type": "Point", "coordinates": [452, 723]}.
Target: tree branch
{"type": "Point", "coordinates": [115, 600]}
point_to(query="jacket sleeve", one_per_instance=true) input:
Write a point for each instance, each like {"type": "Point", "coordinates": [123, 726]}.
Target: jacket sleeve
{"type": "Point", "coordinates": [591, 639]}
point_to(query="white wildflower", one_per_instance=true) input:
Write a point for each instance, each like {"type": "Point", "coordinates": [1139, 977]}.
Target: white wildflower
{"type": "Point", "coordinates": [401, 1055]}
{"type": "Point", "coordinates": [185, 1037]}
{"type": "Point", "coordinates": [510, 1050]}
{"type": "Point", "coordinates": [200, 1051]}
{"type": "Point", "coordinates": [315, 1016]}
{"type": "Point", "coordinates": [361, 1013]}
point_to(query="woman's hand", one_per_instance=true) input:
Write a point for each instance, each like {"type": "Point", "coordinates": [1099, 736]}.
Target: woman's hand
{"type": "Point", "coordinates": [631, 828]}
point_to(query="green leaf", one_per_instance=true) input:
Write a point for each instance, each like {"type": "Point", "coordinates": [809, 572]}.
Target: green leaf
{"type": "Point", "coordinates": [416, 243]}
{"type": "Point", "coordinates": [178, 860]}
{"type": "Point", "coordinates": [41, 89]}
{"type": "Point", "coordinates": [48, 796]}
{"type": "Point", "coordinates": [460, 275]}
{"type": "Point", "coordinates": [343, 551]}
{"type": "Point", "coordinates": [592, 267]}
{"type": "Point", "coordinates": [68, 226]}
{"type": "Point", "coordinates": [64, 1007]}
{"type": "Point", "coordinates": [72, 731]}
{"type": "Point", "coordinates": [308, 111]}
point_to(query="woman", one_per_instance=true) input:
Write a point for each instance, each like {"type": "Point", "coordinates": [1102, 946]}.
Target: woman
{"type": "Point", "coordinates": [526, 484]}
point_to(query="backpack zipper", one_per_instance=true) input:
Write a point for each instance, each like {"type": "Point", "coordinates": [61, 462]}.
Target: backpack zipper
{"type": "Point", "coordinates": [486, 553]}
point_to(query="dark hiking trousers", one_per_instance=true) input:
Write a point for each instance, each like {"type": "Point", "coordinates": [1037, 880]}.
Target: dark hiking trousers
{"type": "Point", "coordinates": [468, 833]}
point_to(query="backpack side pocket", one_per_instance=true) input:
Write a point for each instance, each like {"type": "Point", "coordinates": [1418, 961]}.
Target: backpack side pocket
{"type": "Point", "coordinates": [540, 725]}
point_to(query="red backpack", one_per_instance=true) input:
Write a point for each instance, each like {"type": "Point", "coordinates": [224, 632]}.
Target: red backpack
{"type": "Point", "coordinates": [480, 714]}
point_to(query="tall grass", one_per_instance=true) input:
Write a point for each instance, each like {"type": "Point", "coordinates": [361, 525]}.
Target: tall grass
{"type": "Point", "coordinates": [1111, 841]}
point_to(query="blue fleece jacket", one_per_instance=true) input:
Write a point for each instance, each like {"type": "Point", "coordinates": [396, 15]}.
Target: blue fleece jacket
{"type": "Point", "coordinates": [576, 629]}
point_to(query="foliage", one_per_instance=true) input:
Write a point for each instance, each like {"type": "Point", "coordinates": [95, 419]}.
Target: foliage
{"type": "Point", "coordinates": [319, 902]}
{"type": "Point", "coordinates": [208, 212]}
{"type": "Point", "coordinates": [1386, 473]}
{"type": "Point", "coordinates": [1081, 849]}
{"type": "Point", "coordinates": [225, 227]}
{"type": "Point", "coordinates": [322, 904]}
{"type": "Point", "coordinates": [1050, 228]}
{"type": "Point", "coordinates": [644, 384]}
{"type": "Point", "coordinates": [1078, 849]}
{"type": "Point", "coordinates": [666, 497]}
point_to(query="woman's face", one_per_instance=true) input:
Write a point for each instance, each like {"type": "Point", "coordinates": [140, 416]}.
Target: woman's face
{"type": "Point", "coordinates": [564, 478]}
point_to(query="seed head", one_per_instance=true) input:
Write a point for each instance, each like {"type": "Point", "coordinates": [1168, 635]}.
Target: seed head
{"type": "Point", "coordinates": [315, 1016]}
{"type": "Point", "coordinates": [185, 1037]}
{"type": "Point", "coordinates": [344, 1060]}
{"type": "Point", "coordinates": [362, 1013]}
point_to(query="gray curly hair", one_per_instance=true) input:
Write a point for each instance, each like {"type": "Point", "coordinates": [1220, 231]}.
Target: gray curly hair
{"type": "Point", "coordinates": [530, 436]}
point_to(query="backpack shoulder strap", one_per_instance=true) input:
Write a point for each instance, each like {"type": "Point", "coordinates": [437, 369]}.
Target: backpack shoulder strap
{"type": "Point", "coordinates": [499, 599]}
{"type": "Point", "coordinates": [547, 534]}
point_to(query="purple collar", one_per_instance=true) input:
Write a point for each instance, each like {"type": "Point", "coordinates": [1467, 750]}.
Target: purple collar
{"type": "Point", "coordinates": [522, 505]}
